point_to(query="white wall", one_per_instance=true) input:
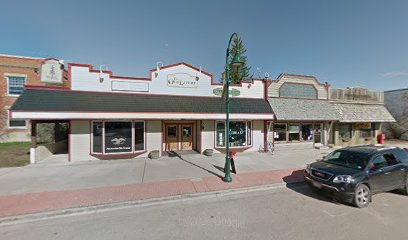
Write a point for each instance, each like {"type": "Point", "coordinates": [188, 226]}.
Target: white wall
{"type": "Point", "coordinates": [83, 79]}
{"type": "Point", "coordinates": [80, 141]}
{"type": "Point", "coordinates": [257, 135]}
{"type": "Point", "coordinates": [153, 137]}
{"type": "Point", "coordinates": [207, 135]}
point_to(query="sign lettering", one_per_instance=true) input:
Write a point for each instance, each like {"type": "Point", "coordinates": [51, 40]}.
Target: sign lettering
{"type": "Point", "coordinates": [182, 80]}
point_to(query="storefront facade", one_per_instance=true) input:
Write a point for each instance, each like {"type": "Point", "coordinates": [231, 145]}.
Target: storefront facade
{"type": "Point", "coordinates": [177, 108]}
{"type": "Point", "coordinates": [310, 113]}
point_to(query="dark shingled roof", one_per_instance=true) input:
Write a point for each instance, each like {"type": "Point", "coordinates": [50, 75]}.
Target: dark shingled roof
{"type": "Point", "coordinates": [302, 109]}
{"type": "Point", "coordinates": [323, 110]}
{"type": "Point", "coordinates": [66, 100]}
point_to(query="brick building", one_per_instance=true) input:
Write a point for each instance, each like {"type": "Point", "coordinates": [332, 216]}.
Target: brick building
{"type": "Point", "coordinates": [16, 72]}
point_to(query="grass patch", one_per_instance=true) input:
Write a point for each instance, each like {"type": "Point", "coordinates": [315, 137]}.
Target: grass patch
{"type": "Point", "coordinates": [14, 154]}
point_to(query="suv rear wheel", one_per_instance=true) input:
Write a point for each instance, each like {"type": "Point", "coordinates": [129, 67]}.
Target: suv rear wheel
{"type": "Point", "coordinates": [362, 196]}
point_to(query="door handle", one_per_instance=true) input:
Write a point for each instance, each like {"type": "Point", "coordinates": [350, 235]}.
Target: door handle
{"type": "Point", "coordinates": [402, 169]}
{"type": "Point", "coordinates": [387, 173]}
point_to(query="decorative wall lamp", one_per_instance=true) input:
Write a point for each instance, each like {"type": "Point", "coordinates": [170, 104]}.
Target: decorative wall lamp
{"type": "Point", "coordinates": [197, 77]}
{"type": "Point", "coordinates": [101, 78]}
{"type": "Point", "coordinates": [158, 65]}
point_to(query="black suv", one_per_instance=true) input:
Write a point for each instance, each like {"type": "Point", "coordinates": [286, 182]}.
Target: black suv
{"type": "Point", "coordinates": [353, 174]}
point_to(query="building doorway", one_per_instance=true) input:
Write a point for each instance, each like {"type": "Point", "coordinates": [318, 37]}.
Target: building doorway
{"type": "Point", "coordinates": [317, 132]}
{"type": "Point", "coordinates": [187, 137]}
{"type": "Point", "coordinates": [179, 136]}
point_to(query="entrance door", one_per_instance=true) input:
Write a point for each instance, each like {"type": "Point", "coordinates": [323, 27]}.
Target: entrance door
{"type": "Point", "coordinates": [187, 137]}
{"type": "Point", "coordinates": [317, 132]}
{"type": "Point", "coordinates": [172, 137]}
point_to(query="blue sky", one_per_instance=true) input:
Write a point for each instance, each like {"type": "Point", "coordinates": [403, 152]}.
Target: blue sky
{"type": "Point", "coordinates": [346, 43]}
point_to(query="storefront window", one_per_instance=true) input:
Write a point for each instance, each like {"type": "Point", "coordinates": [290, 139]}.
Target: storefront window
{"type": "Point", "coordinates": [279, 130]}
{"type": "Point", "coordinates": [294, 131]}
{"type": "Point", "coordinates": [139, 136]}
{"type": "Point", "coordinates": [317, 131]}
{"type": "Point", "coordinates": [239, 134]}
{"type": "Point", "coordinates": [97, 128]}
{"type": "Point", "coordinates": [345, 131]}
{"type": "Point", "coordinates": [220, 134]}
{"type": "Point", "coordinates": [118, 137]}
{"type": "Point", "coordinates": [307, 132]}
{"type": "Point", "coordinates": [368, 131]}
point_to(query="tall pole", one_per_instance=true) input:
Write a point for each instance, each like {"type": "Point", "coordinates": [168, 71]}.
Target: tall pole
{"type": "Point", "coordinates": [227, 168]}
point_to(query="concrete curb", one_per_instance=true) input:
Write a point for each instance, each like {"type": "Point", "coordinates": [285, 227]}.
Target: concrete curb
{"type": "Point", "coordinates": [138, 203]}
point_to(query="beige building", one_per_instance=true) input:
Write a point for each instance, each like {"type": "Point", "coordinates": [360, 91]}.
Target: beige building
{"type": "Point", "coordinates": [309, 113]}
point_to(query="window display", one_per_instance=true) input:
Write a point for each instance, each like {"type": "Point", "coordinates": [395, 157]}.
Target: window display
{"type": "Point", "coordinates": [345, 131]}
{"type": "Point", "coordinates": [240, 134]}
{"type": "Point", "coordinates": [279, 130]}
{"type": "Point", "coordinates": [117, 137]}
{"type": "Point", "coordinates": [294, 132]}
{"type": "Point", "coordinates": [97, 128]}
{"type": "Point", "coordinates": [139, 136]}
{"type": "Point", "coordinates": [307, 132]}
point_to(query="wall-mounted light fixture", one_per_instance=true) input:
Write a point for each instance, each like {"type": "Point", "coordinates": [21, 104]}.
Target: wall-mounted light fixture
{"type": "Point", "coordinates": [197, 77]}
{"type": "Point", "coordinates": [101, 78]}
{"type": "Point", "coordinates": [266, 75]}
{"type": "Point", "coordinates": [158, 65]}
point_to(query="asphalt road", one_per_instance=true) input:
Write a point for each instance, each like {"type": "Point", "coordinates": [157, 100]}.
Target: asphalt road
{"type": "Point", "coordinates": [295, 212]}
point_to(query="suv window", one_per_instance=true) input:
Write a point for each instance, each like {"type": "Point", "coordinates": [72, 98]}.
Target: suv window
{"type": "Point", "coordinates": [390, 158]}
{"type": "Point", "coordinates": [379, 162]}
{"type": "Point", "coordinates": [401, 154]}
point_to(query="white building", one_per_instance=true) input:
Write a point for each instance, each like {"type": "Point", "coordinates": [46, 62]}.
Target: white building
{"type": "Point", "coordinates": [177, 108]}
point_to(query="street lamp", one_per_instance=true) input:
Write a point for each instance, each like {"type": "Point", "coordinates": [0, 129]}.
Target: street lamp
{"type": "Point", "coordinates": [235, 62]}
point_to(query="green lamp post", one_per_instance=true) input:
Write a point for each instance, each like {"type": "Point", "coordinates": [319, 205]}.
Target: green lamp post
{"type": "Point", "coordinates": [235, 62]}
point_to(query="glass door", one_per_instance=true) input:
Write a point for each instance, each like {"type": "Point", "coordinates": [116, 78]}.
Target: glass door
{"type": "Point", "coordinates": [172, 137]}
{"type": "Point", "coordinates": [187, 137]}
{"type": "Point", "coordinates": [317, 132]}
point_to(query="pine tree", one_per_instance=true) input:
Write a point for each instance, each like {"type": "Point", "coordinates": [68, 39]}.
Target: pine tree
{"type": "Point", "coordinates": [242, 73]}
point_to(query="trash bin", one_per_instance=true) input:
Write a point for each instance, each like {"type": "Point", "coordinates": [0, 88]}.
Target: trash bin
{"type": "Point", "coordinates": [380, 138]}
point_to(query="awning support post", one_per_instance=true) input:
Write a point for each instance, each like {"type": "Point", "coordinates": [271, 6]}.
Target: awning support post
{"type": "Point", "coordinates": [33, 141]}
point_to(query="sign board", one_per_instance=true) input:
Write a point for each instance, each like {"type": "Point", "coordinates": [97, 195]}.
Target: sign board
{"type": "Point", "coordinates": [51, 71]}
{"type": "Point", "coordinates": [217, 91]}
{"type": "Point", "coordinates": [130, 86]}
{"type": "Point", "coordinates": [233, 92]}
{"type": "Point", "coordinates": [182, 80]}
{"type": "Point", "coordinates": [362, 125]}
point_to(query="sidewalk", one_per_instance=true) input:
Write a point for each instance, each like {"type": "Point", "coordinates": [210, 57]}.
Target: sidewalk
{"type": "Point", "coordinates": [28, 203]}
{"type": "Point", "coordinates": [58, 185]}
{"type": "Point", "coordinates": [50, 176]}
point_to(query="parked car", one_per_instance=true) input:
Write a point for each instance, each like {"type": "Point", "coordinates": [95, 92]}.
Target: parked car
{"type": "Point", "coordinates": [354, 174]}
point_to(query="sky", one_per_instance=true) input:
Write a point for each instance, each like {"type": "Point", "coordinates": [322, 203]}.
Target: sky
{"type": "Point", "coordinates": [348, 43]}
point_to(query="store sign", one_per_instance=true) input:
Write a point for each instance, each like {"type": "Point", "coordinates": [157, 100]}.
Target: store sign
{"type": "Point", "coordinates": [130, 86]}
{"type": "Point", "coordinates": [362, 125]}
{"type": "Point", "coordinates": [51, 71]}
{"type": "Point", "coordinates": [182, 80]}
{"type": "Point", "coordinates": [233, 92]}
